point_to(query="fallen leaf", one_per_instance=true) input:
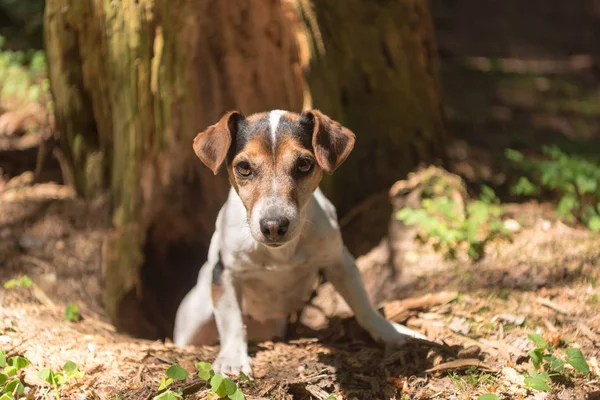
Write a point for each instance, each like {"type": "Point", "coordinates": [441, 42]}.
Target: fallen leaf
{"type": "Point", "coordinates": [461, 364]}
{"type": "Point", "coordinates": [552, 338]}
{"type": "Point", "coordinates": [511, 375]}
{"type": "Point", "coordinates": [459, 325]}
{"type": "Point", "coordinates": [511, 319]}
{"type": "Point", "coordinates": [400, 310]}
{"type": "Point", "coordinates": [469, 352]}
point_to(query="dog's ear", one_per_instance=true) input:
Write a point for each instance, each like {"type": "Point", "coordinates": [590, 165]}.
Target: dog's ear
{"type": "Point", "coordinates": [331, 141]}
{"type": "Point", "coordinates": [212, 145]}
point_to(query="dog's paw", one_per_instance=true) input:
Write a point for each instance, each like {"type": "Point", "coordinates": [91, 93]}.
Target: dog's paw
{"type": "Point", "coordinates": [393, 335]}
{"type": "Point", "coordinates": [407, 332]}
{"type": "Point", "coordinates": [233, 362]}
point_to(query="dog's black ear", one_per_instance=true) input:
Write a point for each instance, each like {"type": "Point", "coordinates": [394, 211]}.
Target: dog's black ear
{"type": "Point", "coordinates": [212, 145]}
{"type": "Point", "coordinates": [332, 142]}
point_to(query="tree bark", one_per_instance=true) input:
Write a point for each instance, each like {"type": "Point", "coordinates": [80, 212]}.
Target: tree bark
{"type": "Point", "coordinates": [133, 82]}
{"type": "Point", "coordinates": [373, 66]}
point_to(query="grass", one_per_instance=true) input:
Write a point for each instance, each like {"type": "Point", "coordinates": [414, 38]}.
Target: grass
{"type": "Point", "coordinates": [473, 380]}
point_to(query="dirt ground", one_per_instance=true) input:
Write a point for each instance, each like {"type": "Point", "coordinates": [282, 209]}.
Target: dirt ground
{"type": "Point", "coordinates": [479, 314]}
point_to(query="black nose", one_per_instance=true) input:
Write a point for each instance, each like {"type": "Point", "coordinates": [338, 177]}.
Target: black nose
{"type": "Point", "coordinates": [274, 228]}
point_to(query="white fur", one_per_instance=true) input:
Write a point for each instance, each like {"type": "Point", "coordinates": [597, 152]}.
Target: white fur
{"type": "Point", "coordinates": [274, 118]}
{"type": "Point", "coordinates": [268, 284]}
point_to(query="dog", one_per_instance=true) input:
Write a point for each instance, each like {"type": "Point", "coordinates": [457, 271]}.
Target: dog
{"type": "Point", "coordinates": [275, 233]}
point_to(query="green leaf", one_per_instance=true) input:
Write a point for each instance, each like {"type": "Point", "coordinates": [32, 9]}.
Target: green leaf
{"type": "Point", "coordinates": [539, 341]}
{"type": "Point", "coordinates": [47, 375]}
{"type": "Point", "coordinates": [577, 360]}
{"type": "Point", "coordinates": [72, 313]}
{"type": "Point", "coordinates": [555, 364]}
{"type": "Point", "coordinates": [18, 362]}
{"type": "Point", "coordinates": [538, 381]}
{"type": "Point", "coordinates": [230, 387]}
{"type": "Point", "coordinates": [536, 357]}
{"type": "Point", "coordinates": [15, 385]}
{"type": "Point", "coordinates": [243, 377]}
{"type": "Point", "coordinates": [524, 187]}
{"type": "Point", "coordinates": [216, 383]}
{"type": "Point", "coordinates": [59, 378]}
{"type": "Point", "coordinates": [594, 223]}
{"type": "Point", "coordinates": [168, 395]}
{"type": "Point", "coordinates": [164, 383]}
{"type": "Point", "coordinates": [7, 396]}
{"type": "Point", "coordinates": [3, 379]}
{"type": "Point", "coordinates": [25, 282]}
{"type": "Point", "coordinates": [566, 206]}
{"type": "Point", "coordinates": [488, 396]}
{"type": "Point", "coordinates": [237, 395]}
{"type": "Point", "coordinates": [71, 371]}
{"type": "Point", "coordinates": [205, 375]}
{"type": "Point", "coordinates": [10, 370]}
{"type": "Point", "coordinates": [514, 155]}
{"type": "Point", "coordinates": [222, 386]}
{"type": "Point", "coordinates": [10, 284]}
{"type": "Point", "coordinates": [2, 359]}
{"type": "Point", "coordinates": [177, 372]}
{"type": "Point", "coordinates": [205, 370]}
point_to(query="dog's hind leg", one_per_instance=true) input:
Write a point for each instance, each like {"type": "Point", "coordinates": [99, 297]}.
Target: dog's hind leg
{"type": "Point", "coordinates": [194, 321]}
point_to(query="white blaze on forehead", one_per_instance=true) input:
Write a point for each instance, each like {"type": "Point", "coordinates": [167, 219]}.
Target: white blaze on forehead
{"type": "Point", "coordinates": [274, 117]}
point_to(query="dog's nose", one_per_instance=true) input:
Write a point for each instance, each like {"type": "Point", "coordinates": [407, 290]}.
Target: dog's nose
{"type": "Point", "coordinates": [274, 228]}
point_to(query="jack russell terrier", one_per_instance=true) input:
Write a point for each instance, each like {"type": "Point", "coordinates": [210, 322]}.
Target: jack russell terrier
{"type": "Point", "coordinates": [274, 234]}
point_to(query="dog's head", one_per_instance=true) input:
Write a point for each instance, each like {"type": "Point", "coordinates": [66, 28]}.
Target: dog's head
{"type": "Point", "coordinates": [275, 162]}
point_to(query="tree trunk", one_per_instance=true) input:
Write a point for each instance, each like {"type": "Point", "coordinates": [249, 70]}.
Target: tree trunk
{"type": "Point", "coordinates": [373, 67]}
{"type": "Point", "coordinates": [133, 81]}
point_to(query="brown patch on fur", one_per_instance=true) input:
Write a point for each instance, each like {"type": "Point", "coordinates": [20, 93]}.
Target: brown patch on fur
{"type": "Point", "coordinates": [212, 145]}
{"type": "Point", "coordinates": [279, 167]}
{"type": "Point", "coordinates": [256, 117]}
{"type": "Point", "coordinates": [289, 150]}
{"type": "Point", "coordinates": [257, 153]}
{"type": "Point", "coordinates": [291, 116]}
{"type": "Point", "coordinates": [216, 292]}
{"type": "Point", "coordinates": [331, 141]}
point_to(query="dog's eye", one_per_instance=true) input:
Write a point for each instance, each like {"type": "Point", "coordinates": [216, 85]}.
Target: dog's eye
{"type": "Point", "coordinates": [243, 169]}
{"type": "Point", "coordinates": [304, 165]}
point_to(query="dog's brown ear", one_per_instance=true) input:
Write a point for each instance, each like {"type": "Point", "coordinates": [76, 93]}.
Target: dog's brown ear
{"type": "Point", "coordinates": [332, 142]}
{"type": "Point", "coordinates": [212, 145]}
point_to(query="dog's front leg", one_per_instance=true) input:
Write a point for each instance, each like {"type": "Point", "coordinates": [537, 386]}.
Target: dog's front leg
{"type": "Point", "coordinates": [233, 356]}
{"type": "Point", "coordinates": [347, 280]}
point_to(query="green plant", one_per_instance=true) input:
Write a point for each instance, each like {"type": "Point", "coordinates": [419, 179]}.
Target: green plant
{"type": "Point", "coordinates": [488, 396]}
{"type": "Point", "coordinates": [58, 378]}
{"type": "Point", "coordinates": [548, 365]}
{"type": "Point", "coordinates": [443, 222]}
{"type": "Point", "coordinates": [11, 386]}
{"type": "Point", "coordinates": [23, 282]}
{"type": "Point", "coordinates": [72, 313]}
{"type": "Point", "coordinates": [173, 373]}
{"type": "Point", "coordinates": [575, 179]}
{"type": "Point", "coordinates": [219, 385]}
{"type": "Point", "coordinates": [22, 78]}
{"type": "Point", "coordinates": [472, 379]}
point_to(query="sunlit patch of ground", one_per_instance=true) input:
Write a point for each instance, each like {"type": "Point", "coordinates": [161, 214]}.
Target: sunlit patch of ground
{"type": "Point", "coordinates": [544, 280]}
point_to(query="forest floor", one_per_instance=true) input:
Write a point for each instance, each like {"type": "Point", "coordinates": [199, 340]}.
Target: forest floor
{"type": "Point", "coordinates": [544, 280]}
